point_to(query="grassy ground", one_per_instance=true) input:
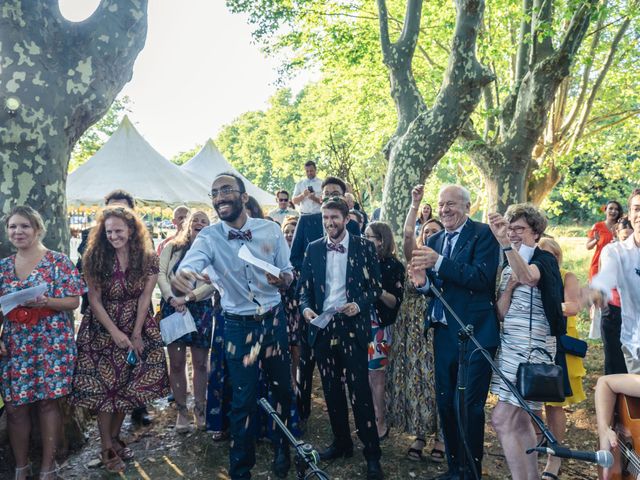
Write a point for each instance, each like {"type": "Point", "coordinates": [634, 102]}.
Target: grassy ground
{"type": "Point", "coordinates": [163, 454]}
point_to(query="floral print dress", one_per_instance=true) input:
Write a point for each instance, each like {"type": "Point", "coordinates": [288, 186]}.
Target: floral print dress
{"type": "Point", "coordinates": [41, 358]}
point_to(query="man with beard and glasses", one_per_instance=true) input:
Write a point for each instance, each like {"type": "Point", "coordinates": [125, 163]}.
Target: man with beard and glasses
{"type": "Point", "coordinates": [255, 324]}
{"type": "Point", "coordinates": [341, 271]}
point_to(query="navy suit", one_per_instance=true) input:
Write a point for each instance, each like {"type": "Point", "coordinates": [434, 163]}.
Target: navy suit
{"type": "Point", "coordinates": [341, 348]}
{"type": "Point", "coordinates": [469, 280]}
{"type": "Point", "coordinates": [308, 230]}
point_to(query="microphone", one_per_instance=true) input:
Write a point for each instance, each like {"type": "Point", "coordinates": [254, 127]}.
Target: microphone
{"type": "Point", "coordinates": [604, 458]}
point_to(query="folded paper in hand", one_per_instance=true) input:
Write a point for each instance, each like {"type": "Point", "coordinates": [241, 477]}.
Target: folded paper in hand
{"type": "Point", "coordinates": [12, 300]}
{"type": "Point", "coordinates": [176, 325]}
{"type": "Point", "coordinates": [324, 318]}
{"type": "Point", "coordinates": [248, 257]}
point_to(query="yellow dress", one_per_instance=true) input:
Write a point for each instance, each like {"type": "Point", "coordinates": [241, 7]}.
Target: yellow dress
{"type": "Point", "coordinates": [574, 365]}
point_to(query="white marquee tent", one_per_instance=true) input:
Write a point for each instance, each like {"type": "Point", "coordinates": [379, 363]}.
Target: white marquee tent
{"type": "Point", "coordinates": [209, 162]}
{"type": "Point", "coordinates": [127, 161]}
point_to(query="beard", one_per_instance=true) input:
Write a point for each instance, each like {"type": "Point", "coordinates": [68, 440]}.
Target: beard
{"type": "Point", "coordinates": [336, 233]}
{"type": "Point", "coordinates": [233, 213]}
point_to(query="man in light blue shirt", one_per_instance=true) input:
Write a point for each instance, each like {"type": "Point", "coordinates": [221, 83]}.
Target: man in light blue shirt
{"type": "Point", "coordinates": [255, 325]}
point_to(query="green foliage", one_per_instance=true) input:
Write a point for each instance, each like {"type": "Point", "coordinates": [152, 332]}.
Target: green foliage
{"type": "Point", "coordinates": [344, 119]}
{"type": "Point", "coordinates": [91, 141]}
{"type": "Point", "coordinates": [183, 157]}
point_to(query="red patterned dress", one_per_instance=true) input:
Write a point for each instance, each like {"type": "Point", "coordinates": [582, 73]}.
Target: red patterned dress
{"type": "Point", "coordinates": [104, 381]}
{"type": "Point", "coordinates": [41, 356]}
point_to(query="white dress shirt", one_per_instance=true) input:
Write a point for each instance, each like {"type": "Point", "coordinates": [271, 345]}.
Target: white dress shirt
{"type": "Point", "coordinates": [620, 268]}
{"type": "Point", "coordinates": [244, 288]}
{"type": "Point", "coordinates": [336, 276]}
{"type": "Point", "coordinates": [307, 205]}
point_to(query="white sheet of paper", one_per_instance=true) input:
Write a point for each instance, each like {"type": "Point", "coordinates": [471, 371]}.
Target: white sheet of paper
{"type": "Point", "coordinates": [248, 257]}
{"type": "Point", "coordinates": [176, 325]}
{"type": "Point", "coordinates": [12, 300]}
{"type": "Point", "coordinates": [322, 320]}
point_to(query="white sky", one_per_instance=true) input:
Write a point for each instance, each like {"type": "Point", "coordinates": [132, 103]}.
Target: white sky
{"type": "Point", "coordinates": [197, 72]}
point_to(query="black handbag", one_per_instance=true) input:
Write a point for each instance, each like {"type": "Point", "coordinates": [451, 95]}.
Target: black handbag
{"type": "Point", "coordinates": [573, 346]}
{"type": "Point", "coordinates": [539, 382]}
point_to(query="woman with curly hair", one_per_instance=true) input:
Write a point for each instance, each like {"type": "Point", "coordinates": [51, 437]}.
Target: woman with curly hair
{"type": "Point", "coordinates": [121, 363]}
{"type": "Point", "coordinates": [37, 350]}
{"type": "Point", "coordinates": [198, 302]}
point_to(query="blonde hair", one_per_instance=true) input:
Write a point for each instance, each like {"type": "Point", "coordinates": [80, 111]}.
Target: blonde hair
{"type": "Point", "coordinates": [35, 219]}
{"type": "Point", "coordinates": [552, 246]}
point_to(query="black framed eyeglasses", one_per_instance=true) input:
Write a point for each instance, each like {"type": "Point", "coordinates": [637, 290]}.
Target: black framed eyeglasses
{"type": "Point", "coordinates": [224, 191]}
{"type": "Point", "coordinates": [283, 200]}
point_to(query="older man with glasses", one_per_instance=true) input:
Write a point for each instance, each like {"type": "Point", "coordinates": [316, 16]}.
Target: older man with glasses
{"type": "Point", "coordinates": [283, 210]}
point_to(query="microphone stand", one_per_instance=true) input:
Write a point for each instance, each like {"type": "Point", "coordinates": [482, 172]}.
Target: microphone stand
{"type": "Point", "coordinates": [306, 456]}
{"type": "Point", "coordinates": [464, 336]}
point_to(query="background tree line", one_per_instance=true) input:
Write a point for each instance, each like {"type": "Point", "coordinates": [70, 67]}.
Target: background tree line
{"type": "Point", "coordinates": [583, 151]}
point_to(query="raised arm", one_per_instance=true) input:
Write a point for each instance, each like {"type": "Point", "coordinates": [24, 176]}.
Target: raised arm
{"type": "Point", "coordinates": [409, 231]}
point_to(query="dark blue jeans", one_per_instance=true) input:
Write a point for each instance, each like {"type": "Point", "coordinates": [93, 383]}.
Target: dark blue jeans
{"type": "Point", "coordinates": [246, 344]}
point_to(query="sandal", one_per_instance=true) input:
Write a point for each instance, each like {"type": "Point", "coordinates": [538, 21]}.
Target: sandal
{"type": "Point", "coordinates": [549, 476]}
{"type": "Point", "coordinates": [436, 455]}
{"type": "Point", "coordinates": [46, 474]}
{"type": "Point", "coordinates": [26, 469]}
{"type": "Point", "coordinates": [121, 449]}
{"type": "Point", "coordinates": [415, 454]}
{"type": "Point", "coordinates": [111, 461]}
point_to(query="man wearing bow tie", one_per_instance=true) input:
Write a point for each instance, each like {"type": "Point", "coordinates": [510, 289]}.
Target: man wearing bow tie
{"type": "Point", "coordinates": [341, 271]}
{"type": "Point", "coordinates": [255, 326]}
{"type": "Point", "coordinates": [461, 261]}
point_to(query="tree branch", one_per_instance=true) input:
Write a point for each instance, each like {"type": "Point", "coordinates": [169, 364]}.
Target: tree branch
{"type": "Point", "coordinates": [383, 16]}
{"type": "Point", "coordinates": [524, 42]}
{"type": "Point", "coordinates": [598, 83]}
{"type": "Point", "coordinates": [409, 37]}
{"type": "Point", "coordinates": [586, 75]}
{"type": "Point", "coordinates": [541, 46]}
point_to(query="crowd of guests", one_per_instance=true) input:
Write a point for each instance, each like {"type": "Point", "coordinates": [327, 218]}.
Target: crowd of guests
{"type": "Point", "coordinates": [343, 301]}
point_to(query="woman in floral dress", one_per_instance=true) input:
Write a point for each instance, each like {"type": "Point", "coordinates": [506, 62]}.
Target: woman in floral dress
{"type": "Point", "coordinates": [121, 362]}
{"type": "Point", "coordinates": [410, 373]}
{"type": "Point", "coordinates": [37, 351]}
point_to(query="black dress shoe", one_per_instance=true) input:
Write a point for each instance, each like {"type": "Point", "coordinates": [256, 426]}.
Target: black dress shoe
{"type": "Point", "coordinates": [281, 462]}
{"type": "Point", "coordinates": [334, 451]}
{"type": "Point", "coordinates": [374, 470]}
{"type": "Point", "coordinates": [141, 416]}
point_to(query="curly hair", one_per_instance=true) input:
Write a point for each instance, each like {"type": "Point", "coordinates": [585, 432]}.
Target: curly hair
{"type": "Point", "coordinates": [183, 239]}
{"type": "Point", "coordinates": [534, 217]}
{"type": "Point", "coordinates": [99, 257]}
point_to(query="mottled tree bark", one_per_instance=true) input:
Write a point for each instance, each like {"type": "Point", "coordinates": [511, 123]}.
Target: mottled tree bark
{"type": "Point", "coordinates": [65, 76]}
{"type": "Point", "coordinates": [423, 134]}
{"type": "Point", "coordinates": [507, 163]}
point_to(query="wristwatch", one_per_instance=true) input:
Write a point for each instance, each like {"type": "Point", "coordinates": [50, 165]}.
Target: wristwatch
{"type": "Point", "coordinates": [188, 297]}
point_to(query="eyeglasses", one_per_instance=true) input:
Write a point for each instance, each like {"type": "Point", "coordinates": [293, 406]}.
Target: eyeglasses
{"type": "Point", "coordinates": [517, 230]}
{"type": "Point", "coordinates": [283, 200]}
{"type": "Point", "coordinates": [332, 198]}
{"type": "Point", "coordinates": [224, 191]}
